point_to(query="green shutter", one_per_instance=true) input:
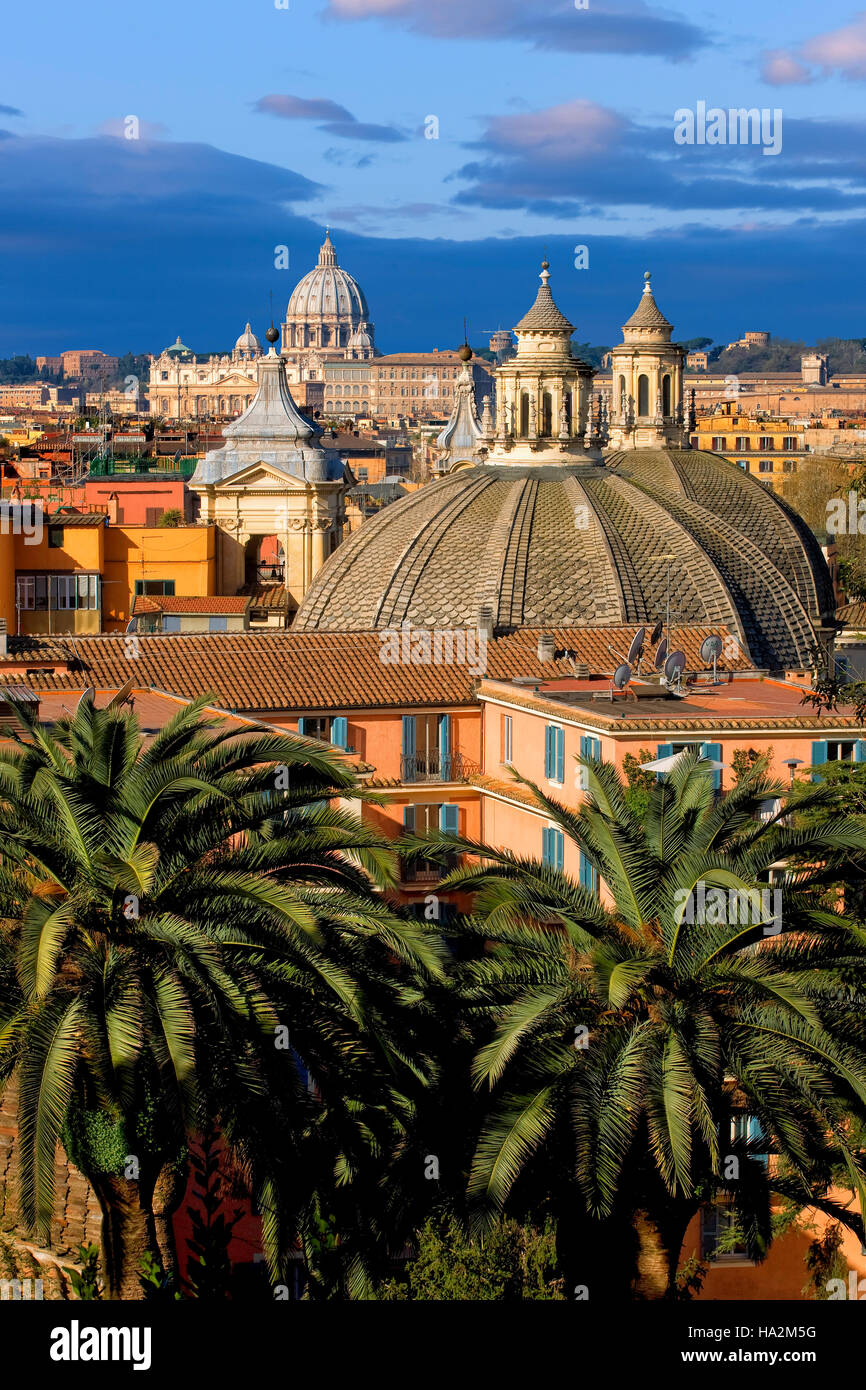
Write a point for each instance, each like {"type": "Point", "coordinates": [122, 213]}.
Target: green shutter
{"type": "Point", "coordinates": [449, 819]}
{"type": "Point", "coordinates": [409, 727]}
{"type": "Point", "coordinates": [445, 747]}
{"type": "Point", "coordinates": [819, 756]}
{"type": "Point", "coordinates": [713, 751]}
{"type": "Point", "coordinates": [663, 750]}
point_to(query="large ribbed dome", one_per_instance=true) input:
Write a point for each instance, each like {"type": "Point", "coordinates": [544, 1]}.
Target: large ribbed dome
{"type": "Point", "coordinates": [586, 544]}
{"type": "Point", "coordinates": [328, 291]}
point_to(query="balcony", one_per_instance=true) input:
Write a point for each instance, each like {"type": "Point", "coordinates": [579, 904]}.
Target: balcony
{"type": "Point", "coordinates": [423, 871]}
{"type": "Point", "coordinates": [436, 767]}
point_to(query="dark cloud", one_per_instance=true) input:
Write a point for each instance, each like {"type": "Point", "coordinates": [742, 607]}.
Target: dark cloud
{"type": "Point", "coordinates": [568, 160]}
{"type": "Point", "coordinates": [602, 26]}
{"type": "Point", "coordinates": [337, 120]}
{"type": "Point", "coordinates": [126, 246]}
{"type": "Point", "coordinates": [10, 111]}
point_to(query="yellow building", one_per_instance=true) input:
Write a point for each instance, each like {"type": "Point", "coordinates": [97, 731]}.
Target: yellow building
{"type": "Point", "coordinates": [769, 448]}
{"type": "Point", "coordinates": [73, 572]}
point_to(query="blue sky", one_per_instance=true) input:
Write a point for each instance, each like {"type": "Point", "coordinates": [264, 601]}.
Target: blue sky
{"type": "Point", "coordinates": [258, 124]}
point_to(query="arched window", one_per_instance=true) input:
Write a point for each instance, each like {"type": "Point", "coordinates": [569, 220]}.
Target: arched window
{"type": "Point", "coordinates": [546, 415]}
{"type": "Point", "coordinates": [566, 400]}
{"type": "Point", "coordinates": [623, 394]}
{"type": "Point", "coordinates": [163, 406]}
{"type": "Point", "coordinates": [643, 395]}
{"type": "Point", "coordinates": [524, 414]}
{"type": "Point", "coordinates": [666, 396]}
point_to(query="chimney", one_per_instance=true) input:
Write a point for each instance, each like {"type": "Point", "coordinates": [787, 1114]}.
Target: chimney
{"type": "Point", "coordinates": [485, 619]}
{"type": "Point", "coordinates": [546, 647]}
{"type": "Point", "coordinates": [113, 508]}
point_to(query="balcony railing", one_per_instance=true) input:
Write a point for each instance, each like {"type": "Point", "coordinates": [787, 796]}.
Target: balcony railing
{"type": "Point", "coordinates": [424, 871]}
{"type": "Point", "coordinates": [436, 767]}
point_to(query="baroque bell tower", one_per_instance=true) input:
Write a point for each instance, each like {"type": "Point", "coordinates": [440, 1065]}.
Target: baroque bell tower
{"type": "Point", "coordinates": [647, 382]}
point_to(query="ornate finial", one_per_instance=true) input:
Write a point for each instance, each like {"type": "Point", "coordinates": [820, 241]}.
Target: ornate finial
{"type": "Point", "coordinates": [273, 333]}
{"type": "Point", "coordinates": [465, 352]}
{"type": "Point", "coordinates": [545, 273]}
{"type": "Point", "coordinates": [647, 275]}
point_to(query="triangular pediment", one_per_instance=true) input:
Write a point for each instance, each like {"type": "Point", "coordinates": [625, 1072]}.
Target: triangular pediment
{"type": "Point", "coordinates": [260, 477]}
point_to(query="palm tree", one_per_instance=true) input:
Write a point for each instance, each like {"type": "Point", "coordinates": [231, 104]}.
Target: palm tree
{"type": "Point", "coordinates": [627, 1033]}
{"type": "Point", "coordinates": [191, 935]}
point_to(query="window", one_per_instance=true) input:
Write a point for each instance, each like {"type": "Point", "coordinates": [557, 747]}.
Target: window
{"type": "Point", "coordinates": [643, 395]}
{"type": "Point", "coordinates": [554, 753]}
{"type": "Point", "coordinates": [766, 441]}
{"type": "Point", "coordinates": [55, 537]}
{"type": "Point", "coordinates": [744, 464]}
{"type": "Point", "coordinates": [217, 624]}
{"type": "Point", "coordinates": [789, 442]}
{"type": "Point", "coordinates": [506, 738]}
{"type": "Point", "coordinates": [719, 442]}
{"type": "Point", "coordinates": [718, 1224]}
{"type": "Point", "coordinates": [744, 444]}
{"type": "Point", "coordinates": [552, 847]}
{"type": "Point", "coordinates": [766, 466]}
{"type": "Point", "coordinates": [317, 727]}
{"type": "Point", "coordinates": [589, 748]}
{"type": "Point", "coordinates": [165, 587]}
{"type": "Point", "coordinates": [41, 592]}
{"type": "Point", "coordinates": [588, 874]}
{"type": "Point", "coordinates": [417, 820]}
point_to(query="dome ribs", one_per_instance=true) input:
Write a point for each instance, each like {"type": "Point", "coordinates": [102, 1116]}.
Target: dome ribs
{"type": "Point", "coordinates": [399, 592]}
{"type": "Point", "coordinates": [512, 592]}
{"type": "Point", "coordinates": [778, 629]}
{"type": "Point", "coordinates": [492, 568]}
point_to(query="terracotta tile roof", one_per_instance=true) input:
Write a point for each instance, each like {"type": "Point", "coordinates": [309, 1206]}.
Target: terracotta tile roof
{"type": "Point", "coordinates": [514, 791]}
{"type": "Point", "coordinates": [309, 671]}
{"type": "Point", "coordinates": [190, 603]}
{"type": "Point", "coordinates": [852, 615]}
{"type": "Point", "coordinates": [77, 519]}
{"type": "Point", "coordinates": [268, 596]}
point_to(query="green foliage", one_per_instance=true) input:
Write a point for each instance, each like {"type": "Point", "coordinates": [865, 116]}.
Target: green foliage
{"type": "Point", "coordinates": [690, 1278]}
{"type": "Point", "coordinates": [20, 369]}
{"type": "Point", "coordinates": [825, 1261]}
{"type": "Point", "coordinates": [95, 1140]}
{"type": "Point", "coordinates": [164, 907]}
{"type": "Point", "coordinates": [507, 1262]}
{"type": "Point", "coordinates": [172, 516]}
{"type": "Point", "coordinates": [624, 1038]}
{"type": "Point", "coordinates": [745, 761]}
{"type": "Point", "coordinates": [640, 783]}
{"type": "Point", "coordinates": [209, 1269]}
{"type": "Point", "coordinates": [85, 1282]}
{"type": "Point", "coordinates": [156, 1283]}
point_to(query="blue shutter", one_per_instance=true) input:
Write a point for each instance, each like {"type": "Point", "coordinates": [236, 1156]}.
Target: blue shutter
{"type": "Point", "coordinates": [340, 731]}
{"type": "Point", "coordinates": [558, 849]}
{"type": "Point", "coordinates": [545, 845]}
{"type": "Point", "coordinates": [860, 750]}
{"type": "Point", "coordinates": [714, 751]}
{"type": "Point", "coordinates": [449, 819]}
{"type": "Point", "coordinates": [588, 874]}
{"type": "Point", "coordinates": [548, 751]}
{"type": "Point", "coordinates": [664, 750]}
{"type": "Point", "coordinates": [445, 747]}
{"type": "Point", "coordinates": [819, 756]}
{"type": "Point", "coordinates": [409, 747]}
{"type": "Point", "coordinates": [301, 723]}
{"type": "Point", "coordinates": [595, 748]}
{"type": "Point", "coordinates": [560, 754]}
{"type": "Point", "coordinates": [408, 817]}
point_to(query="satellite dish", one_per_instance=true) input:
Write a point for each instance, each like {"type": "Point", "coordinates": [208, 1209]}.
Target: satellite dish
{"type": "Point", "coordinates": [657, 631]}
{"type": "Point", "coordinates": [131, 625]}
{"type": "Point", "coordinates": [661, 654]}
{"type": "Point", "coordinates": [711, 648]}
{"type": "Point", "coordinates": [675, 665]}
{"type": "Point", "coordinates": [636, 647]}
{"type": "Point", "coordinates": [88, 694]}
{"type": "Point", "coordinates": [622, 675]}
{"type": "Point", "coordinates": [122, 695]}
